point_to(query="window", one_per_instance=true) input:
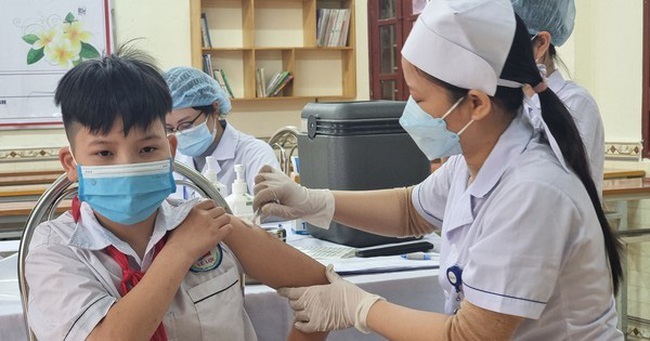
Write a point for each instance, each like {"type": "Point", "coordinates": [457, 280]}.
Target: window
{"type": "Point", "coordinates": [389, 23]}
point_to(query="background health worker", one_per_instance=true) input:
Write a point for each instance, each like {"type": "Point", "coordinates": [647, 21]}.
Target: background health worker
{"type": "Point", "coordinates": [197, 119]}
{"type": "Point", "coordinates": [526, 250]}
{"type": "Point", "coordinates": [550, 23]}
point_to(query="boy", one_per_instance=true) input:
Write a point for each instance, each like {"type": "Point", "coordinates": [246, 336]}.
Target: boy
{"type": "Point", "coordinates": [83, 267]}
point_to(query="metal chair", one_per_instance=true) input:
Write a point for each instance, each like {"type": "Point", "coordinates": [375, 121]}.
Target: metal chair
{"type": "Point", "coordinates": [60, 190]}
{"type": "Point", "coordinates": [283, 139]}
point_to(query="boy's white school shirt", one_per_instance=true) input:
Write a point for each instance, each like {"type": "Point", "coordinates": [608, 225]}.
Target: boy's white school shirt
{"type": "Point", "coordinates": [73, 282]}
{"type": "Point", "coordinates": [526, 237]}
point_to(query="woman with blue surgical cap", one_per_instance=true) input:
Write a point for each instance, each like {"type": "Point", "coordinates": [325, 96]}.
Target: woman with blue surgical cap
{"type": "Point", "coordinates": [526, 250]}
{"type": "Point", "coordinates": [197, 119]}
{"type": "Point", "coordinates": [550, 23]}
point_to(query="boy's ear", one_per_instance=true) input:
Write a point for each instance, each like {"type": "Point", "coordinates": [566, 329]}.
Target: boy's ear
{"type": "Point", "coordinates": [68, 163]}
{"type": "Point", "coordinates": [172, 144]}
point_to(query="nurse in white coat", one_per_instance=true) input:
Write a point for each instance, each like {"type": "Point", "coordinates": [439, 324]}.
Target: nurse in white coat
{"type": "Point", "coordinates": [526, 252]}
{"type": "Point", "coordinates": [197, 119]}
{"type": "Point", "coordinates": [550, 23]}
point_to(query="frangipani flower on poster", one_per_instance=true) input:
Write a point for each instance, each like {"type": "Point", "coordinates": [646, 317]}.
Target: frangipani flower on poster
{"type": "Point", "coordinates": [66, 44]}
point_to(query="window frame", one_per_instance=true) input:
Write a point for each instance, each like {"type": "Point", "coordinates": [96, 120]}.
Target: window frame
{"type": "Point", "coordinates": [403, 21]}
{"type": "Point", "coordinates": [645, 113]}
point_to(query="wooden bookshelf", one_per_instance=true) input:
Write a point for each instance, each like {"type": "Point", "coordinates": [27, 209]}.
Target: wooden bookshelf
{"type": "Point", "coordinates": [275, 35]}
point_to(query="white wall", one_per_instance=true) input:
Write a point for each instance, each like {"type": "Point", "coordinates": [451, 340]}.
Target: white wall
{"type": "Point", "coordinates": [604, 55]}
{"type": "Point", "coordinates": [608, 62]}
{"type": "Point", "coordinates": [164, 28]}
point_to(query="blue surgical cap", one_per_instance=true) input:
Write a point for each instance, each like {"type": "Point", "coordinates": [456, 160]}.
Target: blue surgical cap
{"type": "Point", "coordinates": [554, 16]}
{"type": "Point", "coordinates": [191, 87]}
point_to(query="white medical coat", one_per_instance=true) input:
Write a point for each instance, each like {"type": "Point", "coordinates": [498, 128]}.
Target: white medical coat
{"type": "Point", "coordinates": [585, 113]}
{"type": "Point", "coordinates": [527, 238]}
{"type": "Point", "coordinates": [73, 282]}
{"type": "Point", "coordinates": [234, 148]}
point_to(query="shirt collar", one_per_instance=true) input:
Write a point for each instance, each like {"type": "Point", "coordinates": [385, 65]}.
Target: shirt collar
{"type": "Point", "coordinates": [91, 235]}
{"type": "Point", "coordinates": [511, 143]}
{"type": "Point", "coordinates": [556, 82]}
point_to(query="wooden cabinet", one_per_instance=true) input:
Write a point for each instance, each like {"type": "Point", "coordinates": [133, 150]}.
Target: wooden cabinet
{"type": "Point", "coordinates": [275, 35]}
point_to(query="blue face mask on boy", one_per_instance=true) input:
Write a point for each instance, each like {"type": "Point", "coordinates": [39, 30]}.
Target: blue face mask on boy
{"type": "Point", "coordinates": [126, 194]}
{"type": "Point", "coordinates": [196, 140]}
{"type": "Point", "coordinates": [431, 134]}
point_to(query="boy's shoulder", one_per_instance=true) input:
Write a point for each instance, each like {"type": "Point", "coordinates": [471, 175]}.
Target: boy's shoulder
{"type": "Point", "coordinates": [54, 232]}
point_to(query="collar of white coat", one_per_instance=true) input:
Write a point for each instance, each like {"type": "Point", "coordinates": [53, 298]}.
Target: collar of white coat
{"type": "Point", "coordinates": [533, 112]}
{"type": "Point", "coordinates": [555, 82]}
{"type": "Point", "coordinates": [227, 144]}
{"type": "Point", "coordinates": [512, 142]}
{"type": "Point", "coordinates": [91, 235]}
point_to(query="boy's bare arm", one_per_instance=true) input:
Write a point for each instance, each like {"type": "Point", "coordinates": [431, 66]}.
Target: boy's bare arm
{"type": "Point", "coordinates": [138, 314]}
{"type": "Point", "coordinates": [274, 263]}
{"type": "Point", "coordinates": [270, 260]}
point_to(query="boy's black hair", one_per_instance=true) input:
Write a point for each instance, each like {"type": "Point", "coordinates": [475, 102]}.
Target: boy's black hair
{"type": "Point", "coordinates": [126, 84]}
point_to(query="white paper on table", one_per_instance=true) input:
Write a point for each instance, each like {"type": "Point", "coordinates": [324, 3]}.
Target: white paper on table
{"type": "Point", "coordinates": [356, 265]}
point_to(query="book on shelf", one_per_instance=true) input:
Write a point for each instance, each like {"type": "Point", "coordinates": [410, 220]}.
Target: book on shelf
{"type": "Point", "coordinates": [216, 74]}
{"type": "Point", "coordinates": [332, 27]}
{"type": "Point", "coordinates": [260, 82]}
{"type": "Point", "coordinates": [207, 64]}
{"type": "Point", "coordinates": [278, 82]}
{"type": "Point", "coordinates": [343, 41]}
{"type": "Point", "coordinates": [205, 31]}
{"type": "Point", "coordinates": [221, 78]}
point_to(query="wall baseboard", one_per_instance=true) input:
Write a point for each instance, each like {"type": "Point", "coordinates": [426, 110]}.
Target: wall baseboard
{"type": "Point", "coordinates": [29, 154]}
{"type": "Point", "coordinates": [623, 151]}
{"type": "Point", "coordinates": [638, 328]}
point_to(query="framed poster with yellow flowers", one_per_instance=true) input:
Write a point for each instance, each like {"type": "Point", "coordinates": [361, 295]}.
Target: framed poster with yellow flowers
{"type": "Point", "coordinates": [41, 41]}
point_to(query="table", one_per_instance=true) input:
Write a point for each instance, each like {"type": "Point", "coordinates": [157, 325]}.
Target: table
{"type": "Point", "coordinates": [270, 313]}
{"type": "Point", "coordinates": [29, 178]}
{"type": "Point", "coordinates": [621, 191]}
{"type": "Point", "coordinates": [13, 216]}
{"type": "Point", "coordinates": [610, 173]}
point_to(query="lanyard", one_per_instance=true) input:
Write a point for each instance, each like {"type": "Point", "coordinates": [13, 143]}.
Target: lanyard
{"type": "Point", "coordinates": [455, 278]}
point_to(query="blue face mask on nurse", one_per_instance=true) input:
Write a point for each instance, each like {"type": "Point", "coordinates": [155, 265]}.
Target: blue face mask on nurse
{"type": "Point", "coordinates": [198, 104]}
{"type": "Point", "coordinates": [430, 133]}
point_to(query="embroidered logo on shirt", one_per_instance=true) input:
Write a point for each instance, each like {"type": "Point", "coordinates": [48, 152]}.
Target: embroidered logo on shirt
{"type": "Point", "coordinates": [209, 261]}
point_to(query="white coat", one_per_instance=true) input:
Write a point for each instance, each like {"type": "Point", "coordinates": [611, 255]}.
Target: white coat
{"type": "Point", "coordinates": [234, 148]}
{"type": "Point", "coordinates": [526, 237]}
{"type": "Point", "coordinates": [73, 282]}
{"type": "Point", "coordinates": [586, 115]}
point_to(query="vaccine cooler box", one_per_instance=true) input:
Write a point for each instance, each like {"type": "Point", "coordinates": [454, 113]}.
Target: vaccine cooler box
{"type": "Point", "coordinates": [357, 146]}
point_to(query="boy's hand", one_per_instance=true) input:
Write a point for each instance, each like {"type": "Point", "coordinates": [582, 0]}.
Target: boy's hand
{"type": "Point", "coordinates": [202, 230]}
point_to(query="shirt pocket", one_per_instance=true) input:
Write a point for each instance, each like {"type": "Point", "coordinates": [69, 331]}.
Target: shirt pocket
{"type": "Point", "coordinates": [219, 303]}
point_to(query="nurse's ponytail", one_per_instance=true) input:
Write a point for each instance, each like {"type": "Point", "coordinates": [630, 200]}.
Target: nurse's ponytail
{"type": "Point", "coordinates": [520, 66]}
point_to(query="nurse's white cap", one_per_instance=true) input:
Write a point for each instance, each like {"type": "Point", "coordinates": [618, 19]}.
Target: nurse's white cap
{"type": "Point", "coordinates": [463, 42]}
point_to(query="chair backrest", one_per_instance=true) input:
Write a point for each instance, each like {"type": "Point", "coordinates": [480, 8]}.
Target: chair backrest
{"type": "Point", "coordinates": [285, 138]}
{"type": "Point", "coordinates": [61, 189]}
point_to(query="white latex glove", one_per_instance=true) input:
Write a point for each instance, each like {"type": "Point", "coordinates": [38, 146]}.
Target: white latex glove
{"type": "Point", "coordinates": [277, 195]}
{"type": "Point", "coordinates": [337, 305]}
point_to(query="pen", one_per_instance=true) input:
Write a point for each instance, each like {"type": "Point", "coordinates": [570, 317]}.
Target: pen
{"type": "Point", "coordinates": [416, 256]}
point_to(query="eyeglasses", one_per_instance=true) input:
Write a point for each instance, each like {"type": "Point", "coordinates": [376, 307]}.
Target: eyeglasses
{"type": "Point", "coordinates": [183, 126]}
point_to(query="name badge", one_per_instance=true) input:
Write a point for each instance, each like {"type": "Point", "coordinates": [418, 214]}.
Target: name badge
{"type": "Point", "coordinates": [209, 261]}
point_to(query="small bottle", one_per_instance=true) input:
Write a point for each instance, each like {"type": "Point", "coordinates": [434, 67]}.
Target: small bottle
{"type": "Point", "coordinates": [211, 174]}
{"type": "Point", "coordinates": [240, 202]}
